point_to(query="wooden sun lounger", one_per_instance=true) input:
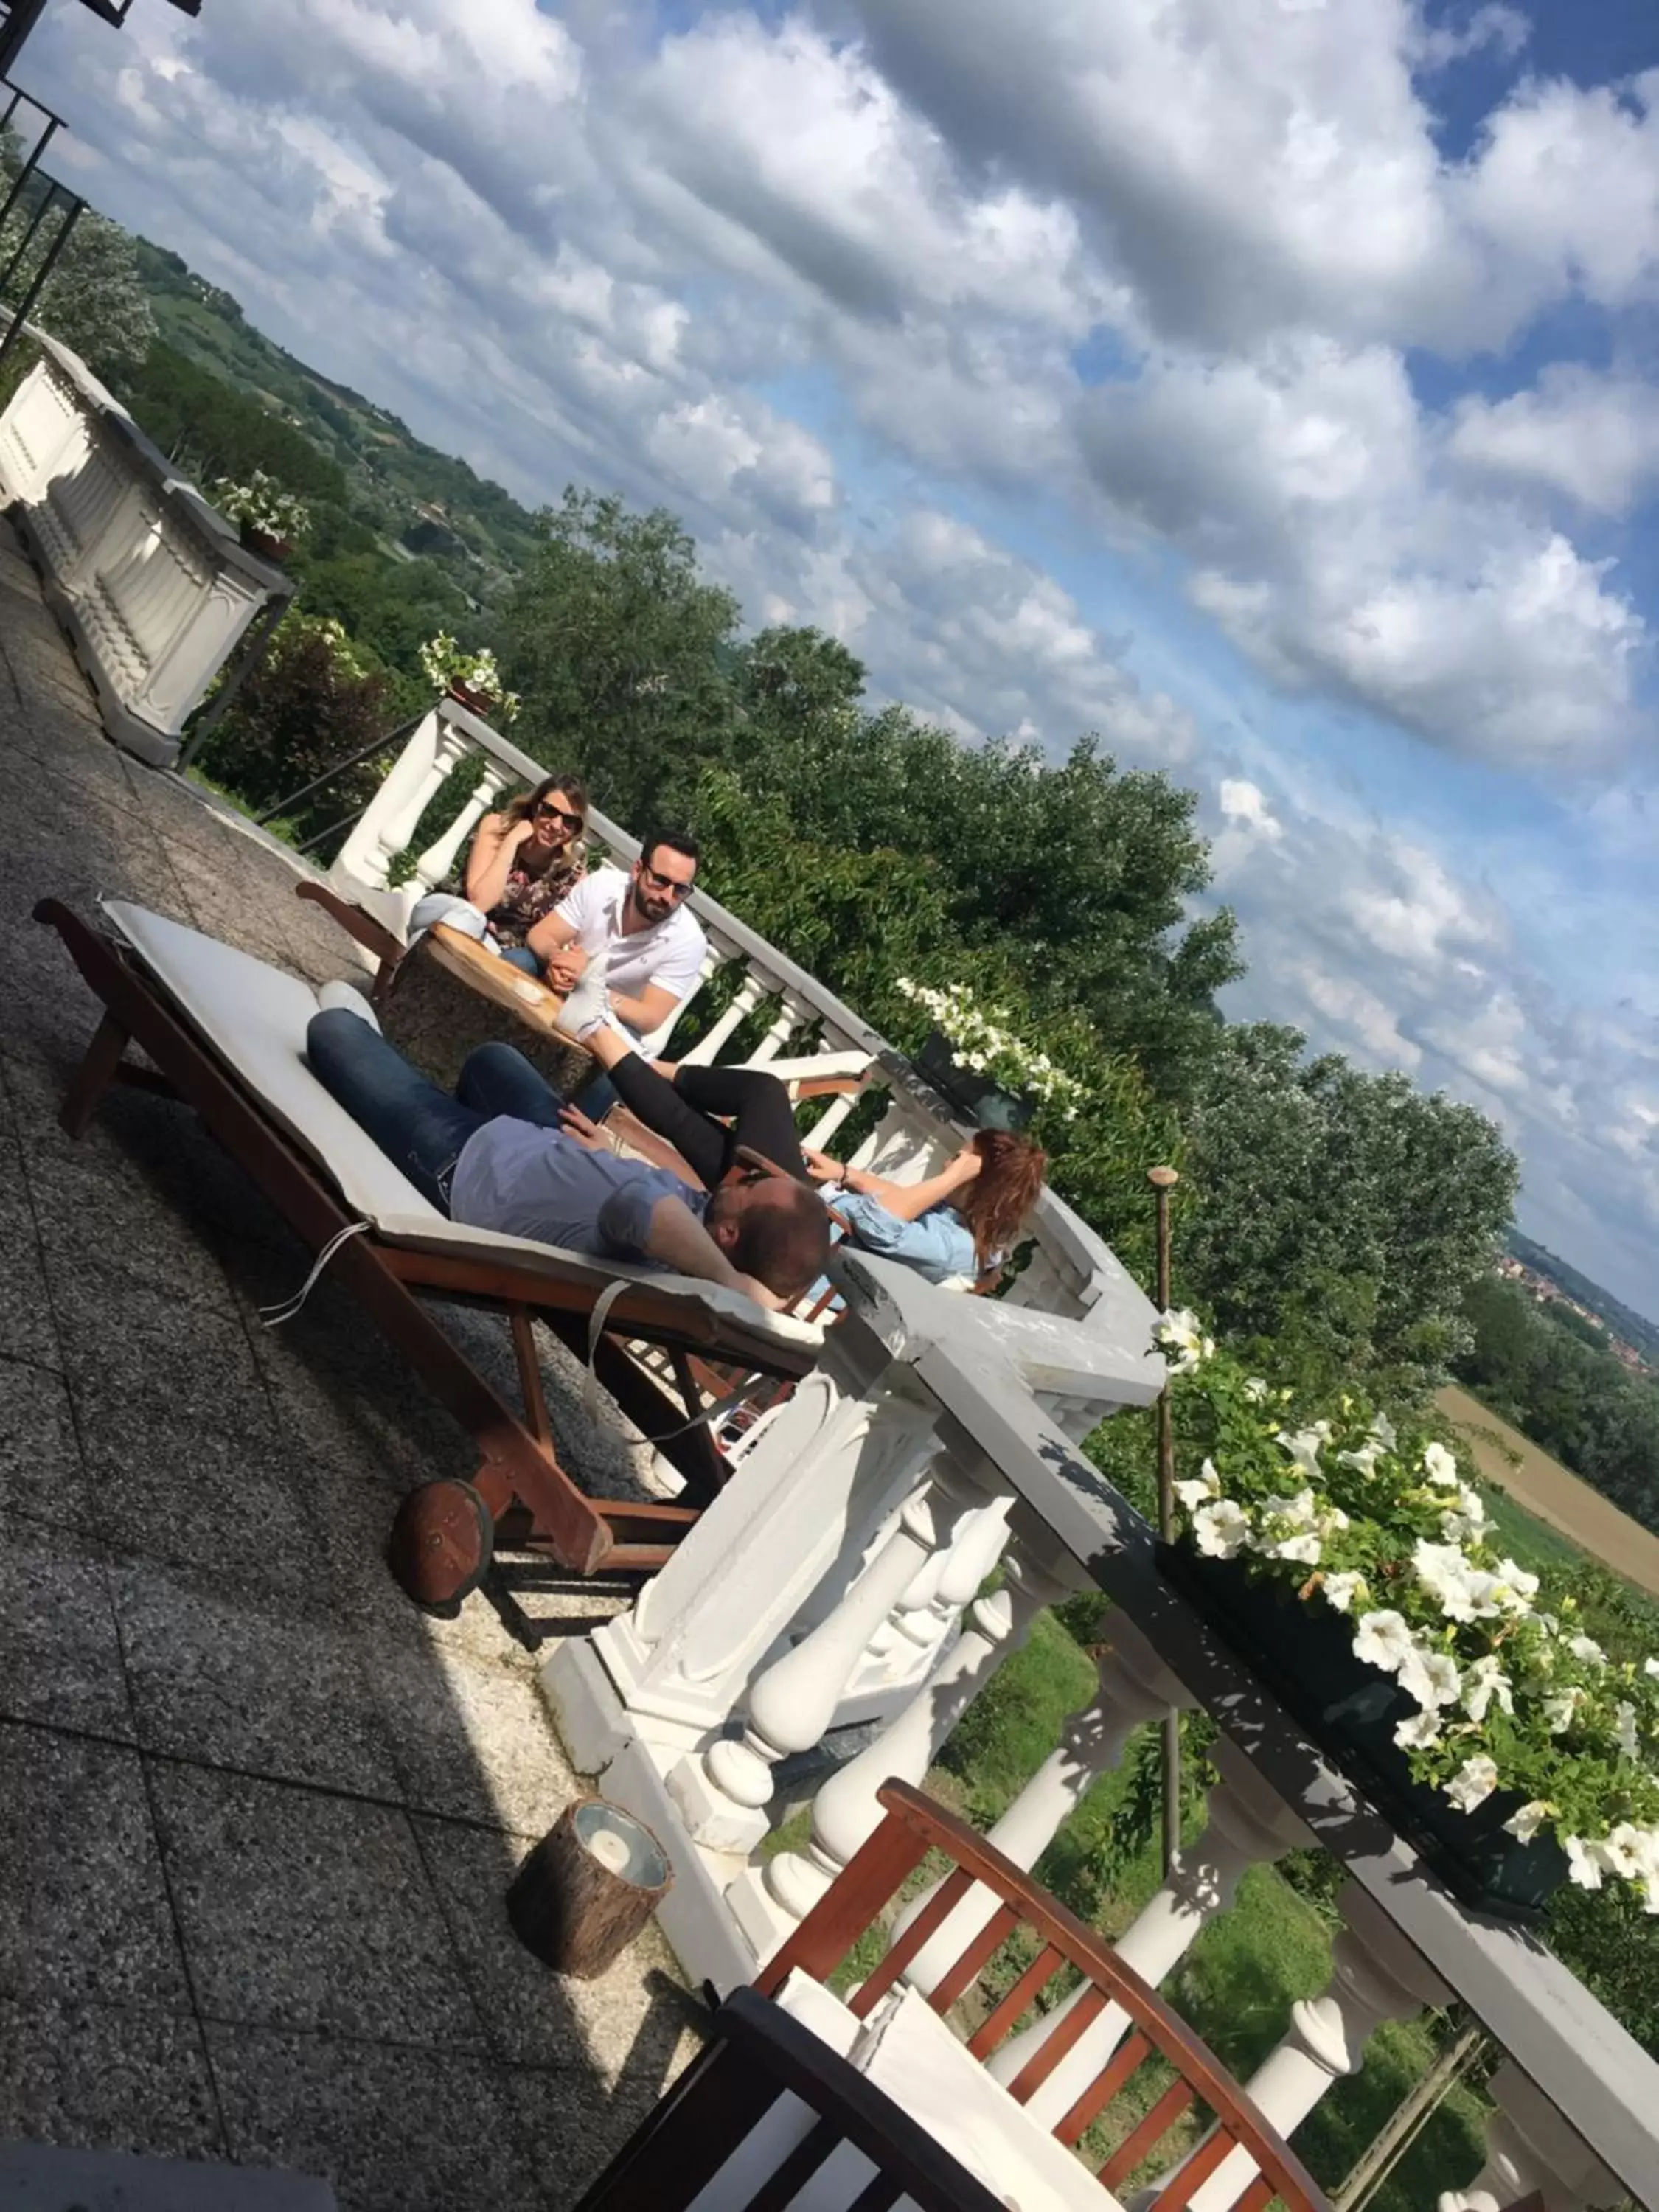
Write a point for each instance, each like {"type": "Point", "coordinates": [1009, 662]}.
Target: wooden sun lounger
{"type": "Point", "coordinates": [443, 1536]}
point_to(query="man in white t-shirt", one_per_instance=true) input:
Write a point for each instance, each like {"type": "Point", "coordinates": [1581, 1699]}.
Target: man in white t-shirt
{"type": "Point", "coordinates": [652, 944]}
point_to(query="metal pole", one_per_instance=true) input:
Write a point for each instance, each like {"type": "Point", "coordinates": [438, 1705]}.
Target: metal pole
{"type": "Point", "coordinates": [1163, 1181]}
{"type": "Point", "coordinates": [1401, 2130]}
{"type": "Point", "coordinates": [48, 199]}
{"type": "Point", "coordinates": [391, 738]}
{"type": "Point", "coordinates": [20, 318]}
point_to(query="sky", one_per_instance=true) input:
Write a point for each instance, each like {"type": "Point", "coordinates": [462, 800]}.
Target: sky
{"type": "Point", "coordinates": [1266, 385]}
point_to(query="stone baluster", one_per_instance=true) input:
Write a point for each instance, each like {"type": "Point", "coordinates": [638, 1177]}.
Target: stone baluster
{"type": "Point", "coordinates": [1135, 1686]}
{"type": "Point", "coordinates": [793, 1013]}
{"type": "Point", "coordinates": [722, 1793]}
{"type": "Point", "coordinates": [830, 1121]}
{"type": "Point", "coordinates": [1375, 1975]}
{"type": "Point", "coordinates": [437, 861]}
{"type": "Point", "coordinates": [434, 749]}
{"type": "Point", "coordinates": [1530, 2147]}
{"type": "Point", "coordinates": [928, 1610]}
{"type": "Point", "coordinates": [1248, 1825]}
{"type": "Point", "coordinates": [768, 1902]}
{"type": "Point", "coordinates": [749, 993]}
{"type": "Point", "coordinates": [784, 1541]}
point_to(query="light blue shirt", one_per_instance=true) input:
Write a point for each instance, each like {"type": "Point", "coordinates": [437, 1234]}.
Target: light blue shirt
{"type": "Point", "coordinates": [525, 1180]}
{"type": "Point", "coordinates": [938, 1246]}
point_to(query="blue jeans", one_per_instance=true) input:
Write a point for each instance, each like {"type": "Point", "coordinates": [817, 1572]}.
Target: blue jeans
{"type": "Point", "coordinates": [419, 1128]}
{"type": "Point", "coordinates": [520, 956]}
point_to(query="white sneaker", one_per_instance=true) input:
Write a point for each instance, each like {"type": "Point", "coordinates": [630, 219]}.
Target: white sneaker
{"type": "Point", "coordinates": [587, 1005]}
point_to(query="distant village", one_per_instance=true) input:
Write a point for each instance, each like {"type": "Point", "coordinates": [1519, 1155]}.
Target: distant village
{"type": "Point", "coordinates": [1550, 1293]}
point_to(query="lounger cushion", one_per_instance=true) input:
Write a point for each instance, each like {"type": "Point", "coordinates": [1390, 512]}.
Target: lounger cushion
{"type": "Point", "coordinates": [255, 1018]}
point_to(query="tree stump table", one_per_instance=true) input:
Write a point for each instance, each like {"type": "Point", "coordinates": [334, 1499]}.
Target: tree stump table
{"type": "Point", "coordinates": [588, 1888]}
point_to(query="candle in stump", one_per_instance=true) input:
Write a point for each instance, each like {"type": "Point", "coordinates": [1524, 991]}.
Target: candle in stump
{"type": "Point", "coordinates": [588, 1888]}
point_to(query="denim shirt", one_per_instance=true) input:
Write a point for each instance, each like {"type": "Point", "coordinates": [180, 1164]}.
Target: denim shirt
{"type": "Point", "coordinates": [939, 1245]}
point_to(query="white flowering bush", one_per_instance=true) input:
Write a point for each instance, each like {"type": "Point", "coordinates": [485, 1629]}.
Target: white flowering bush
{"type": "Point", "coordinates": [981, 1040]}
{"type": "Point", "coordinates": [1384, 1526]}
{"type": "Point", "coordinates": [261, 504]}
{"type": "Point", "coordinates": [444, 662]}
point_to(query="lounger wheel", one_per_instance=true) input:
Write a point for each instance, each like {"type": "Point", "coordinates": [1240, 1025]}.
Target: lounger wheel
{"type": "Point", "coordinates": [441, 1543]}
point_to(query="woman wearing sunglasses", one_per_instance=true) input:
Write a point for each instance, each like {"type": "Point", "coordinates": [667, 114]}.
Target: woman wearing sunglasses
{"type": "Point", "coordinates": [525, 860]}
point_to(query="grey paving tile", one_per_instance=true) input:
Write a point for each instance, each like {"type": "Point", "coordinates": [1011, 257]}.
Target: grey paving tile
{"type": "Point", "coordinates": [573, 2128]}
{"type": "Point", "coordinates": [117, 2077]}
{"type": "Point", "coordinates": [392, 2131]}
{"type": "Point", "coordinates": [131, 1348]}
{"type": "Point", "coordinates": [26, 1324]}
{"type": "Point", "coordinates": [41, 1478]}
{"type": "Point", "coordinates": [535, 2017]}
{"type": "Point", "coordinates": [242, 1680]}
{"type": "Point", "coordinates": [304, 1911]}
{"type": "Point", "coordinates": [166, 1488]}
{"type": "Point", "coordinates": [84, 1914]}
{"type": "Point", "coordinates": [104, 1215]}
{"type": "Point", "coordinates": [60, 1659]}
{"type": "Point", "coordinates": [474, 1742]}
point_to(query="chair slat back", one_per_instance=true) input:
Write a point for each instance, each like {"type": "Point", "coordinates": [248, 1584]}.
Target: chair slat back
{"type": "Point", "coordinates": [1155, 2038]}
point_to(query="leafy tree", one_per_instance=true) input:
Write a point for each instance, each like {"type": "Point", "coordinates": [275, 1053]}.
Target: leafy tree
{"type": "Point", "coordinates": [1345, 1215]}
{"type": "Point", "coordinates": [308, 705]}
{"type": "Point", "coordinates": [615, 642]}
{"type": "Point", "coordinates": [210, 431]}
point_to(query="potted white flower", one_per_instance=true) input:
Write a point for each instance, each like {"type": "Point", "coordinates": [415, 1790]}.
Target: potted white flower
{"type": "Point", "coordinates": [271, 522]}
{"type": "Point", "coordinates": [974, 1060]}
{"type": "Point", "coordinates": [1356, 1569]}
{"type": "Point", "coordinates": [471, 677]}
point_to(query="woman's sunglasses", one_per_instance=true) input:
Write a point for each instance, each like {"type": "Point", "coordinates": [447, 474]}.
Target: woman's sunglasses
{"type": "Point", "coordinates": [548, 812]}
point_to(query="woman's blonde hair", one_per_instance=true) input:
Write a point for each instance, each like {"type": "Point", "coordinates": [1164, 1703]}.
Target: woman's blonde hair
{"type": "Point", "coordinates": [523, 808]}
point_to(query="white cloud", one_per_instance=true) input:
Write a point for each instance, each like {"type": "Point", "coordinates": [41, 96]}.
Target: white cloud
{"type": "Point", "coordinates": [1591, 438]}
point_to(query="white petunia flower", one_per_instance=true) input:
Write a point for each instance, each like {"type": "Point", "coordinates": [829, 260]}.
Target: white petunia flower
{"type": "Point", "coordinates": [1303, 1550]}
{"type": "Point", "coordinates": [1467, 1523]}
{"type": "Point", "coordinates": [1618, 1851]}
{"type": "Point", "coordinates": [1561, 1709]}
{"type": "Point", "coordinates": [1430, 1677]}
{"type": "Point", "coordinates": [1183, 1339]}
{"type": "Point", "coordinates": [1440, 1467]}
{"type": "Point", "coordinates": [1206, 1484]}
{"type": "Point", "coordinates": [1383, 1430]}
{"type": "Point", "coordinates": [1298, 1512]}
{"type": "Point", "coordinates": [1220, 1530]}
{"type": "Point", "coordinates": [1586, 1650]}
{"type": "Point", "coordinates": [1513, 1588]}
{"type": "Point", "coordinates": [1420, 1733]}
{"type": "Point", "coordinates": [1651, 1667]}
{"type": "Point", "coordinates": [1584, 1863]}
{"type": "Point", "coordinates": [1473, 1783]}
{"type": "Point", "coordinates": [1624, 1729]}
{"type": "Point", "coordinates": [1524, 1825]}
{"type": "Point", "coordinates": [1304, 1447]}
{"type": "Point", "coordinates": [1446, 1575]}
{"type": "Point", "coordinates": [1254, 1389]}
{"type": "Point", "coordinates": [1341, 1590]}
{"type": "Point", "coordinates": [1363, 1462]}
{"type": "Point", "coordinates": [1382, 1639]}
{"type": "Point", "coordinates": [1484, 1679]}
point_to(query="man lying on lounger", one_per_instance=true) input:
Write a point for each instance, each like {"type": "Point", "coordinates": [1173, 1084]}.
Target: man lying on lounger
{"type": "Point", "coordinates": [502, 1154]}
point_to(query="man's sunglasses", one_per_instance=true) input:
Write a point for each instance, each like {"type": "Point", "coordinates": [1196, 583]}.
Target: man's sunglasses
{"type": "Point", "coordinates": [548, 812]}
{"type": "Point", "coordinates": [666, 884]}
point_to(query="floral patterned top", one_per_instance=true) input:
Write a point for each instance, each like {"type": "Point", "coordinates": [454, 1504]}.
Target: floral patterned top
{"type": "Point", "coordinates": [528, 899]}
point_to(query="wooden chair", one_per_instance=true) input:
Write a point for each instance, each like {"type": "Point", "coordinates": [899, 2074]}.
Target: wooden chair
{"type": "Point", "coordinates": [913, 1824]}
{"type": "Point", "coordinates": [765, 2108]}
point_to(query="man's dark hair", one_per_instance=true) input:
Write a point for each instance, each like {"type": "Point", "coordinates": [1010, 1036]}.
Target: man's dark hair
{"type": "Point", "coordinates": [785, 1244]}
{"type": "Point", "coordinates": [678, 841]}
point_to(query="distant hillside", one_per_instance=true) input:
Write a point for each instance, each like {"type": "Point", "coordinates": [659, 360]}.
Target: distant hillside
{"type": "Point", "coordinates": [426, 503]}
{"type": "Point", "coordinates": [1634, 1329]}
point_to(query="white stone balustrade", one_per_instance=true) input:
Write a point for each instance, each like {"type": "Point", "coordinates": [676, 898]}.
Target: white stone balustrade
{"type": "Point", "coordinates": [1375, 1975]}
{"type": "Point", "coordinates": [153, 586]}
{"type": "Point", "coordinates": [1133, 1686]}
{"type": "Point", "coordinates": [1530, 2147]}
{"type": "Point", "coordinates": [1247, 1825]}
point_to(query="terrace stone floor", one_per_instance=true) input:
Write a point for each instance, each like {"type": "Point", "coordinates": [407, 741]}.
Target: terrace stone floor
{"type": "Point", "coordinates": [257, 1814]}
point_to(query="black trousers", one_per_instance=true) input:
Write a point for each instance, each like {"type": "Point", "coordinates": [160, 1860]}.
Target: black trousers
{"type": "Point", "coordinates": [684, 1112]}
